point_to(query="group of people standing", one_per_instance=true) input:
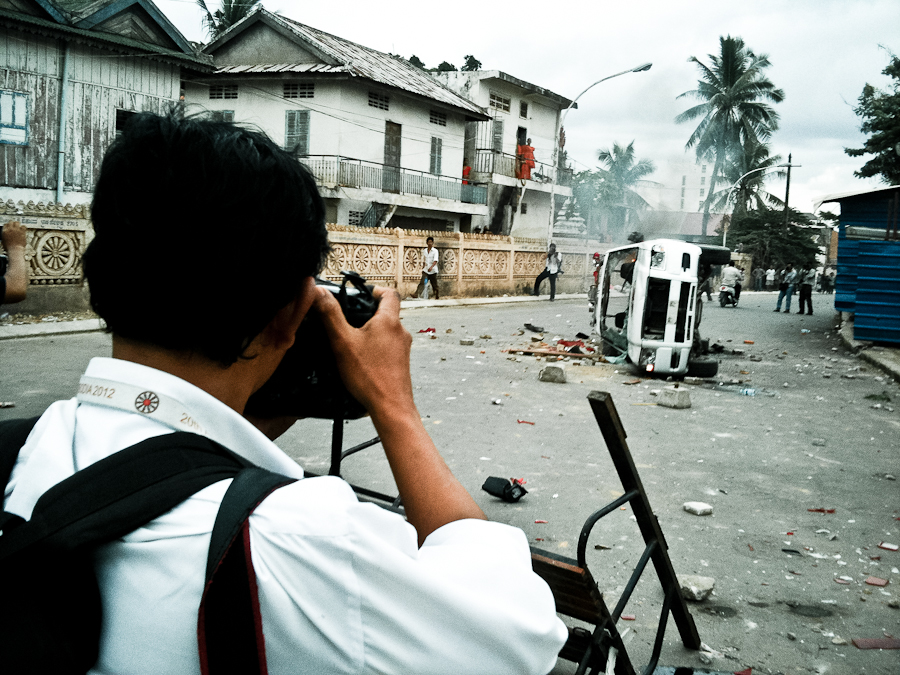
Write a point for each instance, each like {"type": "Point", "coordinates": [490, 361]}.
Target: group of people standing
{"type": "Point", "coordinates": [801, 280]}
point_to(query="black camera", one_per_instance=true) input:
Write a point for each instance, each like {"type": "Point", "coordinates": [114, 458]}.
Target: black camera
{"type": "Point", "coordinates": [307, 382]}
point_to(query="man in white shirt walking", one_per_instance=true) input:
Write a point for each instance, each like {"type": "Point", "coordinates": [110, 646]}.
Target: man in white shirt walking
{"type": "Point", "coordinates": [429, 270]}
{"type": "Point", "coordinates": [342, 586]}
{"type": "Point", "coordinates": [552, 268]}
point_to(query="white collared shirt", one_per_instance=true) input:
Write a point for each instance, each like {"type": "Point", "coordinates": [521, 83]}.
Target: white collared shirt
{"type": "Point", "coordinates": [343, 586]}
{"type": "Point", "coordinates": [429, 258]}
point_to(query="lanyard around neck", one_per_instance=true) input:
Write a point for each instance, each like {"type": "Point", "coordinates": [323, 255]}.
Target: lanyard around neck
{"type": "Point", "coordinates": [141, 401]}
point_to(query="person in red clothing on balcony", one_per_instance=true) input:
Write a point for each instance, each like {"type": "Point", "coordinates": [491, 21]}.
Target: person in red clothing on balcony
{"type": "Point", "coordinates": [524, 160]}
{"type": "Point", "coordinates": [466, 171]}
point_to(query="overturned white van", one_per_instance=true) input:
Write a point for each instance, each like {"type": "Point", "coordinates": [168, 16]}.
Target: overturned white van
{"type": "Point", "coordinates": [649, 308]}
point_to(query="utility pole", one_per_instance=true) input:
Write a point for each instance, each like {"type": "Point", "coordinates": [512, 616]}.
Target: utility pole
{"type": "Point", "coordinates": [787, 192]}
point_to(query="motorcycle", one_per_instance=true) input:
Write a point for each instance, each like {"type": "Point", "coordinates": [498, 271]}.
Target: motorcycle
{"type": "Point", "coordinates": [727, 296]}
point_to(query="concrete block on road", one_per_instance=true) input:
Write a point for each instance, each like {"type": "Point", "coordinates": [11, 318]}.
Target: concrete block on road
{"type": "Point", "coordinates": [694, 587]}
{"type": "Point", "coordinates": [554, 372]}
{"type": "Point", "coordinates": [698, 508]}
{"type": "Point", "coordinates": [675, 397]}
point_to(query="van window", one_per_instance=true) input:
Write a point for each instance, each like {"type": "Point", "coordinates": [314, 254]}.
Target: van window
{"type": "Point", "coordinates": [655, 308]}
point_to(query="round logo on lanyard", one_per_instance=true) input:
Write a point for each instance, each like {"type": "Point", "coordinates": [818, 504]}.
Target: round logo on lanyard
{"type": "Point", "coordinates": [146, 402]}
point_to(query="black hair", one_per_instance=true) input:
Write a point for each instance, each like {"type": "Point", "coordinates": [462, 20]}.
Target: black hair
{"type": "Point", "coordinates": [203, 232]}
{"type": "Point", "coordinates": [429, 239]}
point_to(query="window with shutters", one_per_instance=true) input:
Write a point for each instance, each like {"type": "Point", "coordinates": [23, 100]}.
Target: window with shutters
{"type": "Point", "coordinates": [702, 192]}
{"type": "Point", "coordinates": [13, 117]}
{"type": "Point", "coordinates": [703, 180]}
{"type": "Point", "coordinates": [499, 102]}
{"type": "Point", "coordinates": [438, 118]}
{"type": "Point", "coordinates": [223, 91]}
{"type": "Point", "coordinates": [523, 110]}
{"type": "Point", "coordinates": [380, 101]}
{"type": "Point", "coordinates": [122, 117]}
{"type": "Point", "coordinates": [221, 115]}
{"type": "Point", "coordinates": [355, 217]}
{"type": "Point", "coordinates": [299, 89]}
{"type": "Point", "coordinates": [497, 136]}
{"type": "Point", "coordinates": [436, 144]}
{"type": "Point", "coordinates": [296, 131]}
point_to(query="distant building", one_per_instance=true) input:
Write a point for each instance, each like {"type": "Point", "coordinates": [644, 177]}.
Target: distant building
{"type": "Point", "coordinates": [384, 139]}
{"type": "Point", "coordinates": [678, 186]}
{"type": "Point", "coordinates": [518, 111]}
{"type": "Point", "coordinates": [868, 262]}
{"type": "Point", "coordinates": [71, 74]}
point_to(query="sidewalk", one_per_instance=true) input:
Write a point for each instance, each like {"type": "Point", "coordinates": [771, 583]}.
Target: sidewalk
{"type": "Point", "coordinates": [94, 325]}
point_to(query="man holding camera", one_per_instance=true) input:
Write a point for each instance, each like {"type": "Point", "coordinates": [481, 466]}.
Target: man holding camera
{"type": "Point", "coordinates": [343, 586]}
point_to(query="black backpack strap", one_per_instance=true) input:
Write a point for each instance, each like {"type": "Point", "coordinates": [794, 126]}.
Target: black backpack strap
{"type": "Point", "coordinates": [229, 625]}
{"type": "Point", "coordinates": [119, 494]}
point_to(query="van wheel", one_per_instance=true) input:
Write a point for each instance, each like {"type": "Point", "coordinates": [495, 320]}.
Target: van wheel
{"type": "Point", "coordinates": [702, 368]}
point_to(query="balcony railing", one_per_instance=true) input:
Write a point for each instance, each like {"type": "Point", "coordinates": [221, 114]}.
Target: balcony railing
{"type": "Point", "coordinates": [358, 173]}
{"type": "Point", "coordinates": [491, 161]}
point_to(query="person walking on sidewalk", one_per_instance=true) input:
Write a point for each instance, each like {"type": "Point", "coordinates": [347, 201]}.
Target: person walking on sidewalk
{"type": "Point", "coordinates": [758, 274]}
{"type": "Point", "coordinates": [807, 279]}
{"type": "Point", "coordinates": [429, 270]}
{"type": "Point", "coordinates": [552, 267]}
{"type": "Point", "coordinates": [770, 278]}
{"type": "Point", "coordinates": [786, 289]}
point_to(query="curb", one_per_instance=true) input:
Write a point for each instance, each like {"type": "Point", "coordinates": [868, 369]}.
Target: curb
{"type": "Point", "coordinates": [888, 359]}
{"type": "Point", "coordinates": [28, 330]}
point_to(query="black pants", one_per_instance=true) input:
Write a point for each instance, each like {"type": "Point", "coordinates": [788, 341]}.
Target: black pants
{"type": "Point", "coordinates": [737, 291]}
{"type": "Point", "coordinates": [424, 280]}
{"type": "Point", "coordinates": [543, 275]}
{"type": "Point", "coordinates": [805, 298]}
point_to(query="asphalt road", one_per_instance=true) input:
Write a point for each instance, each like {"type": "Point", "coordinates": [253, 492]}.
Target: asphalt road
{"type": "Point", "coordinates": [804, 441]}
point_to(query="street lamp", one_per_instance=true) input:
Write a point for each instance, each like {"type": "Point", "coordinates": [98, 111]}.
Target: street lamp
{"type": "Point", "coordinates": [738, 182]}
{"type": "Point", "coordinates": [641, 68]}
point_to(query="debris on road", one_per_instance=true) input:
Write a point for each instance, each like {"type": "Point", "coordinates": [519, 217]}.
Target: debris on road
{"type": "Point", "coordinates": [698, 508]}
{"type": "Point", "coordinates": [467, 342]}
{"type": "Point", "coordinates": [888, 547]}
{"type": "Point", "coordinates": [820, 510]}
{"type": "Point", "coordinates": [876, 581]}
{"type": "Point", "coordinates": [675, 397]}
{"type": "Point", "coordinates": [554, 372]}
{"type": "Point", "coordinates": [507, 489]}
{"type": "Point", "coordinates": [534, 329]}
{"type": "Point", "coordinates": [7, 404]}
{"type": "Point", "coordinates": [694, 587]}
{"type": "Point", "coordinates": [428, 330]}
{"type": "Point", "coordinates": [877, 643]}
{"type": "Point", "coordinates": [525, 422]}
{"type": "Point", "coordinates": [818, 442]}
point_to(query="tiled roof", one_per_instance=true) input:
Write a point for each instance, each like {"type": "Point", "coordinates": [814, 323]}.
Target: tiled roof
{"type": "Point", "coordinates": [282, 68]}
{"type": "Point", "coordinates": [360, 61]}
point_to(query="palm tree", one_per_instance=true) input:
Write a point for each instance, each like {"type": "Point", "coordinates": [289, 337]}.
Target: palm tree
{"type": "Point", "coordinates": [222, 19]}
{"type": "Point", "coordinates": [733, 112]}
{"type": "Point", "coordinates": [750, 194]}
{"type": "Point", "coordinates": [615, 184]}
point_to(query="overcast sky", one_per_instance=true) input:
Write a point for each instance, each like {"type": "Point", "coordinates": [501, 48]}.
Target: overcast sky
{"type": "Point", "coordinates": [822, 53]}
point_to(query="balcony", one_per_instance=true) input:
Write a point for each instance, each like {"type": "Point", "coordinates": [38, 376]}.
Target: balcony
{"type": "Point", "coordinates": [493, 162]}
{"type": "Point", "coordinates": [332, 170]}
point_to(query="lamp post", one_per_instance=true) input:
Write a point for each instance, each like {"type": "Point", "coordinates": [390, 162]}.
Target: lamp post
{"type": "Point", "coordinates": [738, 182]}
{"type": "Point", "coordinates": [641, 68]}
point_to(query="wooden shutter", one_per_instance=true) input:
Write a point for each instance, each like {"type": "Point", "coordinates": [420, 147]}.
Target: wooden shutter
{"type": "Point", "coordinates": [296, 131]}
{"type": "Point", "coordinates": [436, 144]}
{"type": "Point", "coordinates": [497, 136]}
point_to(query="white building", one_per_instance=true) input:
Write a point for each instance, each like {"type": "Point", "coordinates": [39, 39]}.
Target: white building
{"type": "Point", "coordinates": [519, 111]}
{"type": "Point", "coordinates": [71, 73]}
{"type": "Point", "coordinates": [678, 186]}
{"type": "Point", "coordinates": [384, 140]}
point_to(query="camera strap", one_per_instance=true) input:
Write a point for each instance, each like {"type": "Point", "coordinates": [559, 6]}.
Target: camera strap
{"type": "Point", "coordinates": [135, 399]}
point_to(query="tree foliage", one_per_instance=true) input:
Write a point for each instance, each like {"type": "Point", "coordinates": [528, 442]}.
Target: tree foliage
{"type": "Point", "coordinates": [734, 114]}
{"type": "Point", "coordinates": [224, 18]}
{"type": "Point", "coordinates": [610, 190]}
{"type": "Point", "coordinates": [445, 67]}
{"type": "Point", "coordinates": [880, 112]}
{"type": "Point", "coordinates": [750, 193]}
{"type": "Point", "coordinates": [416, 61]}
{"type": "Point", "coordinates": [471, 63]}
{"type": "Point", "coordinates": [763, 234]}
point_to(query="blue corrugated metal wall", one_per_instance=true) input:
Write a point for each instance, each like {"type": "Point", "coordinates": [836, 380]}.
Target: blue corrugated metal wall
{"type": "Point", "coordinates": [868, 272]}
{"type": "Point", "coordinates": [878, 292]}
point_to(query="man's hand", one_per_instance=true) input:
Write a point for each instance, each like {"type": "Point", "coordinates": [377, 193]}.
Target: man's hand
{"type": "Point", "coordinates": [373, 360]}
{"type": "Point", "coordinates": [374, 365]}
{"type": "Point", "coordinates": [13, 235]}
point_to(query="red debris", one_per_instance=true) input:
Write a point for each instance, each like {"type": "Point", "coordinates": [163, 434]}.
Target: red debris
{"type": "Point", "coordinates": [888, 547]}
{"type": "Point", "coordinates": [750, 547]}
{"type": "Point", "coordinates": [877, 643]}
{"type": "Point", "coordinates": [749, 342]}
{"type": "Point", "coordinates": [748, 671]}
{"type": "Point", "coordinates": [525, 422]}
{"type": "Point", "coordinates": [428, 330]}
{"type": "Point", "coordinates": [633, 382]}
{"type": "Point", "coordinates": [628, 617]}
{"type": "Point", "coordinates": [875, 581]}
{"type": "Point", "coordinates": [538, 539]}
{"type": "Point", "coordinates": [518, 481]}
{"type": "Point", "coordinates": [541, 521]}
{"type": "Point", "coordinates": [789, 533]}
{"type": "Point", "coordinates": [841, 581]}
{"type": "Point", "coordinates": [820, 510]}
